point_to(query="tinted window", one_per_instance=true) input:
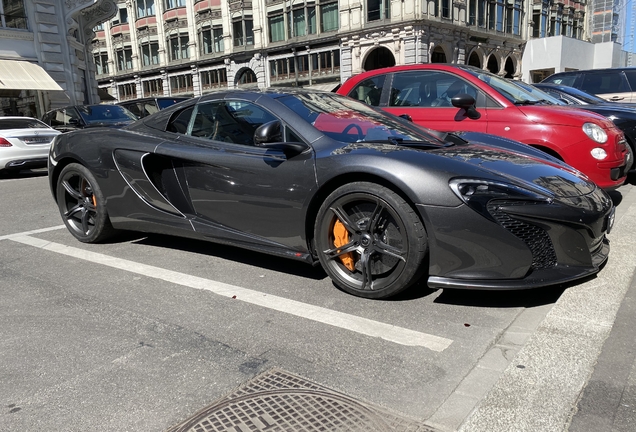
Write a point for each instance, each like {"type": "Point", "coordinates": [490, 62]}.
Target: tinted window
{"type": "Point", "coordinates": [567, 80]}
{"type": "Point", "coordinates": [165, 103]}
{"type": "Point", "coordinates": [228, 121]}
{"type": "Point", "coordinates": [631, 78]}
{"type": "Point", "coordinates": [180, 121]}
{"type": "Point", "coordinates": [25, 123]}
{"type": "Point", "coordinates": [369, 91]}
{"type": "Point", "coordinates": [105, 114]}
{"type": "Point", "coordinates": [428, 89]}
{"type": "Point", "coordinates": [605, 82]}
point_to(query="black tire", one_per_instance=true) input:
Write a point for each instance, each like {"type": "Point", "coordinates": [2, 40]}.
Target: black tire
{"type": "Point", "coordinates": [82, 205]}
{"type": "Point", "coordinates": [386, 240]}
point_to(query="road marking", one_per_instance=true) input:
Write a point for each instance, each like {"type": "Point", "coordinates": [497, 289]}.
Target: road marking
{"type": "Point", "coordinates": [353, 323]}
{"type": "Point", "coordinates": [37, 231]}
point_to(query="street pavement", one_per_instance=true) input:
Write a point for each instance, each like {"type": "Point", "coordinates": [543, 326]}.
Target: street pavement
{"type": "Point", "coordinates": [577, 372]}
{"type": "Point", "coordinates": [515, 364]}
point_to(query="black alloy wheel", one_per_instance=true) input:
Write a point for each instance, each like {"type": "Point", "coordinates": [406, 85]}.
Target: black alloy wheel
{"type": "Point", "coordinates": [82, 205]}
{"type": "Point", "coordinates": [369, 240]}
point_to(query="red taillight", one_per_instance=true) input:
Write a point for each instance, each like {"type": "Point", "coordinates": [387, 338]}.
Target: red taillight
{"type": "Point", "coordinates": [4, 143]}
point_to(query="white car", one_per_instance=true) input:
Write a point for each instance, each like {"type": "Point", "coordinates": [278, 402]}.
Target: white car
{"type": "Point", "coordinates": [24, 143]}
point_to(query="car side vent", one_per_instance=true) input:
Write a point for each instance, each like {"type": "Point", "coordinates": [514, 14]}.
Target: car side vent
{"type": "Point", "coordinates": [536, 238]}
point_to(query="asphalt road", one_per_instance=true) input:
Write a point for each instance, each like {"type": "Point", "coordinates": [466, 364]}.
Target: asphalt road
{"type": "Point", "coordinates": [140, 333]}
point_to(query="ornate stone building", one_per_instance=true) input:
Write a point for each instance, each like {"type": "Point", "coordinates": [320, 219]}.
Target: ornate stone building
{"type": "Point", "coordinates": [45, 54]}
{"type": "Point", "coordinates": [189, 47]}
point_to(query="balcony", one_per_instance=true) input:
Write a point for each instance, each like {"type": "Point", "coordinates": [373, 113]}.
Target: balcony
{"type": "Point", "coordinates": [176, 13]}
{"type": "Point", "coordinates": [119, 29]}
{"type": "Point", "coordinates": [146, 22]}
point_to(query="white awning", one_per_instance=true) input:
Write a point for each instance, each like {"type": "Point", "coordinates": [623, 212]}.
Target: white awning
{"type": "Point", "coordinates": [23, 75]}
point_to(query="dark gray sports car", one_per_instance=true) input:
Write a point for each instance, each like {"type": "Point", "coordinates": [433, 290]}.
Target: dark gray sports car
{"type": "Point", "coordinates": [376, 200]}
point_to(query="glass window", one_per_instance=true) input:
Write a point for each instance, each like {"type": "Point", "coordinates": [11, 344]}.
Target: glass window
{"type": "Point", "coordinates": [329, 17]}
{"type": "Point", "coordinates": [171, 4]}
{"type": "Point", "coordinates": [243, 32]}
{"type": "Point", "coordinates": [298, 22]}
{"type": "Point", "coordinates": [369, 91]}
{"type": "Point", "coordinates": [180, 121]}
{"type": "Point", "coordinates": [311, 19]}
{"type": "Point", "coordinates": [229, 121]}
{"type": "Point", "coordinates": [150, 54]}
{"type": "Point", "coordinates": [428, 89]}
{"type": "Point", "coordinates": [215, 78]}
{"type": "Point", "coordinates": [145, 8]}
{"type": "Point", "coordinates": [277, 28]}
{"type": "Point", "coordinates": [179, 48]}
{"type": "Point", "coordinates": [379, 9]}
{"type": "Point", "coordinates": [101, 63]}
{"type": "Point", "coordinates": [606, 82]}
{"type": "Point", "coordinates": [217, 34]}
{"type": "Point", "coordinates": [13, 14]}
{"type": "Point", "coordinates": [124, 59]}
{"type": "Point", "coordinates": [205, 41]}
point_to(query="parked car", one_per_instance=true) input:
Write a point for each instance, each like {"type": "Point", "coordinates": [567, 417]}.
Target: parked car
{"type": "Point", "coordinates": [314, 176]}
{"type": "Point", "coordinates": [623, 115]}
{"type": "Point", "coordinates": [145, 106]}
{"type": "Point", "coordinates": [460, 97]}
{"type": "Point", "coordinates": [612, 84]}
{"type": "Point", "coordinates": [24, 143]}
{"type": "Point", "coordinates": [75, 117]}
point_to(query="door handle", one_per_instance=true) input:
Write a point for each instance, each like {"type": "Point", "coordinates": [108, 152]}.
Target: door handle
{"type": "Point", "coordinates": [616, 98]}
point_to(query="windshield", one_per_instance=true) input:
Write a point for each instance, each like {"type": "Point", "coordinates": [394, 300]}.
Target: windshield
{"type": "Point", "coordinates": [23, 123]}
{"type": "Point", "coordinates": [105, 114]}
{"type": "Point", "coordinates": [538, 93]}
{"type": "Point", "coordinates": [350, 121]}
{"type": "Point", "coordinates": [507, 89]}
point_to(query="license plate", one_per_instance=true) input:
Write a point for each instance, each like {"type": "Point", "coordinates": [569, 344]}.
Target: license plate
{"type": "Point", "coordinates": [38, 140]}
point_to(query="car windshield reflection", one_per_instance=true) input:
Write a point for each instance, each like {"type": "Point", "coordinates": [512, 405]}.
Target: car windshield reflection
{"type": "Point", "coordinates": [350, 121]}
{"type": "Point", "coordinates": [105, 114]}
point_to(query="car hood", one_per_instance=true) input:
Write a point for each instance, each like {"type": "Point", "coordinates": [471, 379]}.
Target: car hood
{"type": "Point", "coordinates": [610, 109]}
{"type": "Point", "coordinates": [549, 178]}
{"type": "Point", "coordinates": [560, 115]}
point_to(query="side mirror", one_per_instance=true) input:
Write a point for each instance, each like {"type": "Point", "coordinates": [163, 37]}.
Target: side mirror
{"type": "Point", "coordinates": [467, 102]}
{"type": "Point", "coordinates": [267, 133]}
{"type": "Point", "coordinates": [406, 117]}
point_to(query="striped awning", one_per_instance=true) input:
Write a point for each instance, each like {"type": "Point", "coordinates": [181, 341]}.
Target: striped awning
{"type": "Point", "coordinates": [23, 75]}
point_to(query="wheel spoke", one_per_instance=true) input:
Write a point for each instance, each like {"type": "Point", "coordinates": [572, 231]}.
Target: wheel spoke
{"type": "Point", "coordinates": [385, 249]}
{"type": "Point", "coordinates": [72, 192]}
{"type": "Point", "coordinates": [365, 265]}
{"type": "Point", "coordinates": [85, 218]}
{"type": "Point", "coordinates": [338, 251]}
{"type": "Point", "coordinates": [344, 218]}
{"type": "Point", "coordinates": [72, 211]}
{"type": "Point", "coordinates": [375, 216]}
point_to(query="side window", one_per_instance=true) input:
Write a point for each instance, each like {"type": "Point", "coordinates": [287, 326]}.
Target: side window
{"type": "Point", "coordinates": [369, 91]}
{"type": "Point", "coordinates": [428, 89]}
{"type": "Point", "coordinates": [71, 116]}
{"type": "Point", "coordinates": [180, 121]}
{"type": "Point", "coordinates": [567, 80]}
{"type": "Point", "coordinates": [606, 82]}
{"type": "Point", "coordinates": [133, 108]}
{"type": "Point", "coordinates": [631, 78]}
{"type": "Point", "coordinates": [229, 121]}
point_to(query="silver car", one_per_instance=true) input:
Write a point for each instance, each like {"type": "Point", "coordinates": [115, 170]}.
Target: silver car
{"type": "Point", "coordinates": [24, 143]}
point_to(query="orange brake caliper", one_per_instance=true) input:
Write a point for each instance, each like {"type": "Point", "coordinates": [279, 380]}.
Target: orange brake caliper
{"type": "Point", "coordinates": [94, 200]}
{"type": "Point", "coordinates": [341, 238]}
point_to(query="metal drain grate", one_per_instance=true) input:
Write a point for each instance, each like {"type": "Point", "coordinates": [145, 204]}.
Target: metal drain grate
{"type": "Point", "coordinates": [278, 401]}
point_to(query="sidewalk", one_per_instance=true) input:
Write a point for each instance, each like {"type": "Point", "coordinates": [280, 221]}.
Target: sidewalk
{"type": "Point", "coordinates": [554, 383]}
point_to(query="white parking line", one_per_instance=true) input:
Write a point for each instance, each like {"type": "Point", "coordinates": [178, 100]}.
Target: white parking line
{"type": "Point", "coordinates": [364, 326]}
{"type": "Point", "coordinates": [37, 231]}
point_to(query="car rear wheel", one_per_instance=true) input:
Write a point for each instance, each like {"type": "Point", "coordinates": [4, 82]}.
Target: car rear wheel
{"type": "Point", "coordinates": [369, 240]}
{"type": "Point", "coordinates": [82, 205]}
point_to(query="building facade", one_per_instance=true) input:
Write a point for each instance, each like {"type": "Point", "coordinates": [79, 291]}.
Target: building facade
{"type": "Point", "coordinates": [190, 47]}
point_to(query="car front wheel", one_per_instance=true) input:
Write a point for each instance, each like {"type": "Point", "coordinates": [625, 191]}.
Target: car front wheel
{"type": "Point", "coordinates": [369, 240]}
{"type": "Point", "coordinates": [82, 205]}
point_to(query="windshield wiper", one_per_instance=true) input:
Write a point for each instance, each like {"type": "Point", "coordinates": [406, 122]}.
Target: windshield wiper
{"type": "Point", "coordinates": [529, 102]}
{"type": "Point", "coordinates": [409, 143]}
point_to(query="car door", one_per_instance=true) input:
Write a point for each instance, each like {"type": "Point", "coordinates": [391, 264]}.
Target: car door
{"type": "Point", "coordinates": [240, 192]}
{"type": "Point", "coordinates": [610, 84]}
{"type": "Point", "coordinates": [425, 96]}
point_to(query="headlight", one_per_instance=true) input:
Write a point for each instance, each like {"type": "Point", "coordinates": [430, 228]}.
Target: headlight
{"type": "Point", "coordinates": [595, 132]}
{"type": "Point", "coordinates": [476, 193]}
{"type": "Point", "coordinates": [598, 153]}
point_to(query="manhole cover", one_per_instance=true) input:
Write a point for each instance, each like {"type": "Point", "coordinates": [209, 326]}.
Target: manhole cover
{"type": "Point", "coordinates": [278, 401]}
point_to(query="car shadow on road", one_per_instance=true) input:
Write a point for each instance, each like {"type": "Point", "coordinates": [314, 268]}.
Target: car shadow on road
{"type": "Point", "coordinates": [5, 175]}
{"type": "Point", "coordinates": [231, 253]}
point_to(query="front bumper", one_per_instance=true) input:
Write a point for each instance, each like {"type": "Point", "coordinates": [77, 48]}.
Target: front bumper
{"type": "Point", "coordinates": [524, 246]}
